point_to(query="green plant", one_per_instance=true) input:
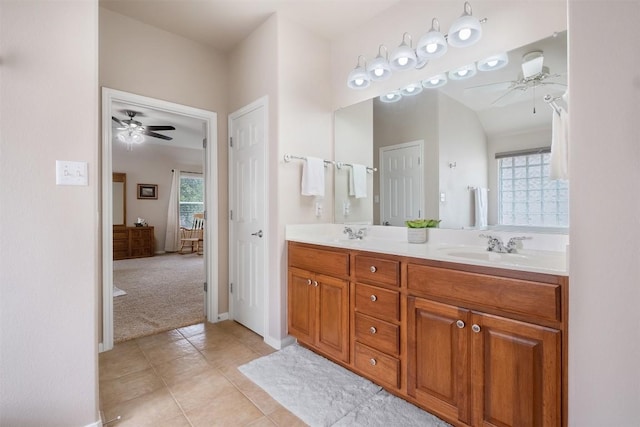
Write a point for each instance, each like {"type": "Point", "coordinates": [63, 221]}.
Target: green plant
{"type": "Point", "coordinates": [423, 223]}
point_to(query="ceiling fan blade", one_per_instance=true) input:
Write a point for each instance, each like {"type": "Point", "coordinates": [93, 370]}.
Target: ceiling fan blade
{"type": "Point", "coordinates": [120, 122]}
{"type": "Point", "coordinates": [159, 128]}
{"type": "Point", "coordinates": [156, 135]}
{"type": "Point", "coordinates": [491, 86]}
{"type": "Point", "coordinates": [507, 97]}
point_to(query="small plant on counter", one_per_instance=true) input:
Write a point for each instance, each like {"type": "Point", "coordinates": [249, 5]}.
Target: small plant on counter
{"type": "Point", "coordinates": [423, 223]}
{"type": "Point", "coordinates": [417, 229]}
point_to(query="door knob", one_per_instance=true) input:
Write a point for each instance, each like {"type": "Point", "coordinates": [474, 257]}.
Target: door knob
{"type": "Point", "coordinates": [257, 233]}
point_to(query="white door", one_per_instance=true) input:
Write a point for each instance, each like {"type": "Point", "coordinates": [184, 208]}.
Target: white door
{"type": "Point", "coordinates": [247, 229]}
{"type": "Point", "coordinates": [401, 183]}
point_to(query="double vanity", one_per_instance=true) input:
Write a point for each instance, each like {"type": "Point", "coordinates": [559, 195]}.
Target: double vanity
{"type": "Point", "coordinates": [478, 338]}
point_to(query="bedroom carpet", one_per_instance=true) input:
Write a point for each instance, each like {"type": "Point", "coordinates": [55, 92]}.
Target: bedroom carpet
{"type": "Point", "coordinates": [162, 292]}
{"type": "Point", "coordinates": [322, 393]}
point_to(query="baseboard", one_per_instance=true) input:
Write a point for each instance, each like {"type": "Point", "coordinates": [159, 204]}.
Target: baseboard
{"type": "Point", "coordinates": [279, 344]}
{"type": "Point", "coordinates": [222, 316]}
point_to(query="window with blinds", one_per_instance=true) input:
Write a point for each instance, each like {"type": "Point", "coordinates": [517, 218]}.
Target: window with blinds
{"type": "Point", "coordinates": [526, 194]}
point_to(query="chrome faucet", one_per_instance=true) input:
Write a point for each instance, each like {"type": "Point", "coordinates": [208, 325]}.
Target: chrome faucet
{"type": "Point", "coordinates": [495, 244]}
{"type": "Point", "coordinates": [359, 234]}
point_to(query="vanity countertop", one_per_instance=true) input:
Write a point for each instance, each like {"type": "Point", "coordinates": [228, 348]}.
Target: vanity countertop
{"type": "Point", "coordinates": [542, 253]}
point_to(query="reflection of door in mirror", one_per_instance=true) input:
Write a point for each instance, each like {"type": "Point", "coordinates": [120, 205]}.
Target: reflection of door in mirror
{"type": "Point", "coordinates": [119, 199]}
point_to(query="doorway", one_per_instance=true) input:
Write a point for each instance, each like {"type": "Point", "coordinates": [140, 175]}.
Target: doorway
{"type": "Point", "coordinates": [401, 183]}
{"type": "Point", "coordinates": [111, 97]}
{"type": "Point", "coordinates": [248, 203]}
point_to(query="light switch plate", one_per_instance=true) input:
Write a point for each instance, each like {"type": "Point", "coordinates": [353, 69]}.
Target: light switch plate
{"type": "Point", "coordinates": [71, 173]}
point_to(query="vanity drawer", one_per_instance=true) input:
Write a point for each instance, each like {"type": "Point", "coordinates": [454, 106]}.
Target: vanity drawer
{"type": "Point", "coordinates": [379, 302]}
{"type": "Point", "coordinates": [377, 365]}
{"type": "Point", "coordinates": [534, 299]}
{"type": "Point", "coordinates": [318, 260]}
{"type": "Point", "coordinates": [377, 333]}
{"type": "Point", "coordinates": [377, 270]}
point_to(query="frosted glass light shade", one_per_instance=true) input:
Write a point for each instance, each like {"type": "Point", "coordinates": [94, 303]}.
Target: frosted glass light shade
{"type": "Point", "coordinates": [466, 30]}
{"type": "Point", "coordinates": [394, 96]}
{"type": "Point", "coordinates": [379, 69]}
{"type": "Point", "coordinates": [358, 78]}
{"type": "Point", "coordinates": [403, 57]}
{"type": "Point", "coordinates": [463, 72]}
{"type": "Point", "coordinates": [432, 45]}
{"type": "Point", "coordinates": [435, 81]}
{"type": "Point", "coordinates": [411, 89]}
{"type": "Point", "coordinates": [493, 62]}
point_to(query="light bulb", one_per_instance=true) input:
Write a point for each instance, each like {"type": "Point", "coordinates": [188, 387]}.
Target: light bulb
{"type": "Point", "coordinates": [378, 72]}
{"type": "Point", "coordinates": [432, 47]}
{"type": "Point", "coordinates": [464, 34]}
{"type": "Point", "coordinates": [410, 89]}
{"type": "Point", "coordinates": [492, 63]}
{"type": "Point", "coordinates": [462, 73]}
{"type": "Point", "coordinates": [359, 82]}
{"type": "Point", "coordinates": [390, 96]}
{"type": "Point", "coordinates": [403, 61]}
{"type": "Point", "coordinates": [434, 81]}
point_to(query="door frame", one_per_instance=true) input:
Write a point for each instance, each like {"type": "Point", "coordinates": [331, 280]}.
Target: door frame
{"type": "Point", "coordinates": [263, 103]}
{"type": "Point", "coordinates": [211, 199]}
{"type": "Point", "coordinates": [401, 146]}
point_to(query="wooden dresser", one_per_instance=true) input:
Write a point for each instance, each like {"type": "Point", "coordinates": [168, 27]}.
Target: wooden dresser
{"type": "Point", "coordinates": [133, 242]}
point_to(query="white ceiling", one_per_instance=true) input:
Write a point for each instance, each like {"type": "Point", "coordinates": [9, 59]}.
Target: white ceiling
{"type": "Point", "coordinates": [222, 24]}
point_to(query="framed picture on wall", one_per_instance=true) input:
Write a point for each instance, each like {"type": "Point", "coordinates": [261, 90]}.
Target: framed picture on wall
{"type": "Point", "coordinates": [147, 191]}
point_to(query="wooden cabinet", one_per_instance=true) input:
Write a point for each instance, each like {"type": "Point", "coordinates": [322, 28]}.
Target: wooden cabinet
{"type": "Point", "coordinates": [476, 346]}
{"type": "Point", "coordinates": [318, 304]}
{"type": "Point", "coordinates": [133, 242]}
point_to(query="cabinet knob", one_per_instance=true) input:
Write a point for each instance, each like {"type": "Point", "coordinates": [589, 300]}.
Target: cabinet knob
{"type": "Point", "coordinates": [460, 324]}
{"type": "Point", "coordinates": [373, 269]}
{"type": "Point", "coordinates": [374, 298]}
{"type": "Point", "coordinates": [373, 330]}
{"type": "Point", "coordinates": [308, 281]}
{"type": "Point", "coordinates": [373, 362]}
{"type": "Point", "coordinates": [475, 328]}
{"type": "Point", "coordinates": [315, 283]}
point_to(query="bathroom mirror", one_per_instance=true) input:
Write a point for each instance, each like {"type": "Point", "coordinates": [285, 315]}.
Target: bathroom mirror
{"type": "Point", "coordinates": [119, 199]}
{"type": "Point", "coordinates": [456, 131]}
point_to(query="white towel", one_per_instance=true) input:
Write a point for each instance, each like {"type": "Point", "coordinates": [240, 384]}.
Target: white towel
{"type": "Point", "coordinates": [313, 177]}
{"type": "Point", "coordinates": [358, 181]}
{"type": "Point", "coordinates": [481, 206]}
{"type": "Point", "coordinates": [560, 145]}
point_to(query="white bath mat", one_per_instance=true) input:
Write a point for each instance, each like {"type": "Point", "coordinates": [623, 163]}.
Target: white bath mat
{"type": "Point", "coordinates": [117, 291]}
{"type": "Point", "coordinates": [322, 393]}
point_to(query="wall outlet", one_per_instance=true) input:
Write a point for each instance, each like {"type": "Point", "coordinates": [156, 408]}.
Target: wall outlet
{"type": "Point", "coordinates": [318, 209]}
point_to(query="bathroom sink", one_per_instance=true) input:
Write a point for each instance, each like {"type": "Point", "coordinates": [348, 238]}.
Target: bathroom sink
{"type": "Point", "coordinates": [481, 254]}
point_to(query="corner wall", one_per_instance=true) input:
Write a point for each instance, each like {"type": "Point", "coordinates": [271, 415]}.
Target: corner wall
{"type": "Point", "coordinates": [49, 243]}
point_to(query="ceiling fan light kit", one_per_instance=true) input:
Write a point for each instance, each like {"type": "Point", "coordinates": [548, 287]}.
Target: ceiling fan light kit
{"type": "Point", "coordinates": [465, 31]}
{"type": "Point", "coordinates": [133, 131]}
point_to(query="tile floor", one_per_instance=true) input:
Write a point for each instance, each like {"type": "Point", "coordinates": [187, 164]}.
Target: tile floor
{"type": "Point", "coordinates": [188, 377]}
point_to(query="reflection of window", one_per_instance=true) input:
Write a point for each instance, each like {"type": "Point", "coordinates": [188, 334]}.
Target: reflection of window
{"type": "Point", "coordinates": [526, 194]}
{"type": "Point", "coordinates": [191, 198]}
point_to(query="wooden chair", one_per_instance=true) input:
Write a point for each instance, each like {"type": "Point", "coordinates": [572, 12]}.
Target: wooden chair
{"type": "Point", "coordinates": [193, 238]}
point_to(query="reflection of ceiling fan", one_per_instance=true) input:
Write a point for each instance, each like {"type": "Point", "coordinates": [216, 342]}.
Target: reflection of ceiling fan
{"type": "Point", "coordinates": [131, 126]}
{"type": "Point", "coordinates": [534, 74]}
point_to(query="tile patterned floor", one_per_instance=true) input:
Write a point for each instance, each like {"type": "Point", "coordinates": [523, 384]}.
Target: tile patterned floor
{"type": "Point", "coordinates": [188, 377]}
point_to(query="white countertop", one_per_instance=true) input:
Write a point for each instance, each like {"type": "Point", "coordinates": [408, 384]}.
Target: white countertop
{"type": "Point", "coordinates": [542, 253]}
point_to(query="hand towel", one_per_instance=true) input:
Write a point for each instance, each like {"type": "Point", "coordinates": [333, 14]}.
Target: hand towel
{"type": "Point", "coordinates": [358, 181]}
{"type": "Point", "coordinates": [313, 177]}
{"type": "Point", "coordinates": [481, 203]}
{"type": "Point", "coordinates": [560, 145]}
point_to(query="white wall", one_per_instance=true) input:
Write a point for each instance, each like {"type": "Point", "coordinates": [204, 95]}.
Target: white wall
{"type": "Point", "coordinates": [144, 60]}
{"type": "Point", "coordinates": [461, 140]}
{"type": "Point", "coordinates": [604, 319]}
{"type": "Point", "coordinates": [49, 244]}
{"type": "Point", "coordinates": [353, 144]}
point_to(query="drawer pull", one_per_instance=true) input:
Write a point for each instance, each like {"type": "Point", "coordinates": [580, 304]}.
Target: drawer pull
{"type": "Point", "coordinates": [460, 324]}
{"type": "Point", "coordinates": [373, 269]}
{"type": "Point", "coordinates": [475, 328]}
{"type": "Point", "coordinates": [315, 283]}
{"type": "Point", "coordinates": [308, 281]}
{"type": "Point", "coordinates": [373, 362]}
{"type": "Point", "coordinates": [373, 298]}
{"type": "Point", "coordinates": [373, 330]}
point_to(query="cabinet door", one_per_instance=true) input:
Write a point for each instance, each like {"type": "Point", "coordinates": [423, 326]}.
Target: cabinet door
{"type": "Point", "coordinates": [438, 357]}
{"type": "Point", "coordinates": [516, 373]}
{"type": "Point", "coordinates": [332, 301]}
{"type": "Point", "coordinates": [301, 302]}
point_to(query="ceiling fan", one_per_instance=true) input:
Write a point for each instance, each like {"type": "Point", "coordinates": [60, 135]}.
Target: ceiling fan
{"type": "Point", "coordinates": [133, 126]}
{"type": "Point", "coordinates": [533, 74]}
